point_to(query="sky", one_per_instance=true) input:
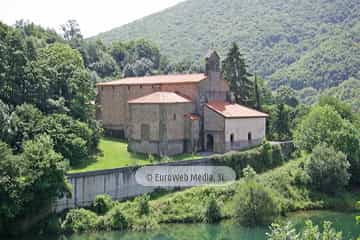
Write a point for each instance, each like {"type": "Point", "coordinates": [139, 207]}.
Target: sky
{"type": "Point", "coordinates": [93, 16]}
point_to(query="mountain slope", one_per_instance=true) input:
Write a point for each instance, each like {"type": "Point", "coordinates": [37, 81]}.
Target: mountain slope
{"type": "Point", "coordinates": [279, 38]}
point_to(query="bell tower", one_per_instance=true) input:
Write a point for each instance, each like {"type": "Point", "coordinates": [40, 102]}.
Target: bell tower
{"type": "Point", "coordinates": [212, 67]}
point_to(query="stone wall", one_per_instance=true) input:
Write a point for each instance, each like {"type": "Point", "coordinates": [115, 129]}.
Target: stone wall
{"type": "Point", "coordinates": [119, 183]}
{"type": "Point", "coordinates": [214, 126]}
{"type": "Point", "coordinates": [166, 124]}
{"type": "Point", "coordinates": [113, 101]}
{"type": "Point", "coordinates": [239, 129]}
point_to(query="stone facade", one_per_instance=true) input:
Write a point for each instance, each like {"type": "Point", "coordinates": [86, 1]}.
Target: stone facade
{"type": "Point", "coordinates": [168, 114]}
{"type": "Point", "coordinates": [158, 128]}
{"type": "Point", "coordinates": [115, 118]}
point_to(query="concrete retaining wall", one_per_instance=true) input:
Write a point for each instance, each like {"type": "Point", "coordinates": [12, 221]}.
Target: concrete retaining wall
{"type": "Point", "coordinates": [119, 183]}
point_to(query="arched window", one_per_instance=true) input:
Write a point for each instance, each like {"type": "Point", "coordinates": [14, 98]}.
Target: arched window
{"type": "Point", "coordinates": [174, 116]}
{"type": "Point", "coordinates": [249, 136]}
{"type": "Point", "coordinates": [232, 139]}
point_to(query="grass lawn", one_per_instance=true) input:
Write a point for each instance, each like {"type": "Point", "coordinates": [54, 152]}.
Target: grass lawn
{"type": "Point", "coordinates": [114, 154]}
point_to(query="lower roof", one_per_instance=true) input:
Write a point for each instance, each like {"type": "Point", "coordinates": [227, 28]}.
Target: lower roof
{"type": "Point", "coordinates": [161, 97]}
{"type": "Point", "coordinates": [233, 110]}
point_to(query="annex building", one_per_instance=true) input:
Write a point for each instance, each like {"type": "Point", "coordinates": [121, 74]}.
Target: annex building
{"type": "Point", "coordinates": [173, 114]}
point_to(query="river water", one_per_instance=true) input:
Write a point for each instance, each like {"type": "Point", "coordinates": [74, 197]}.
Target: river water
{"type": "Point", "coordinates": [226, 230]}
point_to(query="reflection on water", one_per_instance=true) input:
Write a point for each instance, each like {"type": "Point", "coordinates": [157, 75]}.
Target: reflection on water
{"type": "Point", "coordinates": [224, 231]}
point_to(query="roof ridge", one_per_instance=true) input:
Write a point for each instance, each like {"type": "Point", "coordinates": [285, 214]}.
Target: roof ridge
{"type": "Point", "coordinates": [156, 79]}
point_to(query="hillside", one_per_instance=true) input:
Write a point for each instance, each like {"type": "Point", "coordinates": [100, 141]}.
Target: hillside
{"type": "Point", "coordinates": [300, 43]}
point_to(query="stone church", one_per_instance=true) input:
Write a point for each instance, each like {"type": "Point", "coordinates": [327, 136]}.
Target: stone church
{"type": "Point", "coordinates": [173, 114]}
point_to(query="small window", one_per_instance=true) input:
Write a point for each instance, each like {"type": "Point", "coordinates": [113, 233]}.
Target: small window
{"type": "Point", "coordinates": [129, 88]}
{"type": "Point", "coordinates": [232, 138]}
{"type": "Point", "coordinates": [174, 116]}
{"type": "Point", "coordinates": [249, 136]}
{"type": "Point", "coordinates": [140, 86]}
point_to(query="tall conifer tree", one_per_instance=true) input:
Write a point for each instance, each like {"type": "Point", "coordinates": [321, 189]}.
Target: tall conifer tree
{"type": "Point", "coordinates": [234, 71]}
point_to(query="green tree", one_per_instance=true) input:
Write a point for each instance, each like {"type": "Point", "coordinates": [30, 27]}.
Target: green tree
{"type": "Point", "coordinates": [255, 204]}
{"type": "Point", "coordinates": [340, 107]}
{"type": "Point", "coordinates": [72, 138]}
{"type": "Point", "coordinates": [286, 95]}
{"type": "Point", "coordinates": [30, 182]}
{"type": "Point", "coordinates": [62, 71]}
{"type": "Point", "coordinates": [318, 126]}
{"type": "Point", "coordinates": [282, 122]}
{"type": "Point", "coordinates": [257, 94]}
{"type": "Point", "coordinates": [234, 71]}
{"type": "Point", "coordinates": [23, 125]}
{"type": "Point", "coordinates": [324, 125]}
{"type": "Point", "coordinates": [15, 80]}
{"type": "Point", "coordinates": [327, 169]}
{"type": "Point", "coordinates": [4, 118]}
{"type": "Point", "coordinates": [72, 33]}
{"type": "Point", "coordinates": [10, 185]}
{"type": "Point", "coordinates": [279, 122]}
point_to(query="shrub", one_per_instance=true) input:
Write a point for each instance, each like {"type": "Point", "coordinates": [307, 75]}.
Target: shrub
{"type": "Point", "coordinates": [327, 169]}
{"type": "Point", "coordinates": [310, 231]}
{"type": "Point", "coordinates": [166, 159]}
{"type": "Point", "coordinates": [260, 158]}
{"type": "Point", "coordinates": [151, 158]}
{"type": "Point", "coordinates": [115, 220]}
{"type": "Point", "coordinates": [79, 220]}
{"type": "Point", "coordinates": [256, 204]}
{"type": "Point", "coordinates": [212, 210]}
{"type": "Point", "coordinates": [102, 204]}
{"type": "Point", "coordinates": [144, 223]}
{"type": "Point", "coordinates": [142, 205]}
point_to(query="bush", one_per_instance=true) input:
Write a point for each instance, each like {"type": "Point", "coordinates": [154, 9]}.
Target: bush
{"type": "Point", "coordinates": [144, 223]}
{"type": "Point", "coordinates": [327, 169]}
{"type": "Point", "coordinates": [151, 158]}
{"type": "Point", "coordinates": [79, 220]}
{"type": "Point", "coordinates": [256, 204]}
{"type": "Point", "coordinates": [261, 158]}
{"type": "Point", "coordinates": [142, 205]}
{"type": "Point", "coordinates": [212, 210]}
{"type": "Point", "coordinates": [288, 232]}
{"type": "Point", "coordinates": [102, 204]}
{"type": "Point", "coordinates": [115, 220]}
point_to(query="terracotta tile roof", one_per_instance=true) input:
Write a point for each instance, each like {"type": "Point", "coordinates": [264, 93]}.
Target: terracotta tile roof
{"type": "Point", "coordinates": [232, 110]}
{"type": "Point", "coordinates": [161, 97]}
{"type": "Point", "coordinates": [157, 79]}
{"type": "Point", "coordinates": [192, 116]}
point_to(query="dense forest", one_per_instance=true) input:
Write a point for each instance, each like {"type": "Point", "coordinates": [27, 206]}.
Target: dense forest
{"type": "Point", "coordinates": [301, 44]}
{"type": "Point", "coordinates": [47, 110]}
